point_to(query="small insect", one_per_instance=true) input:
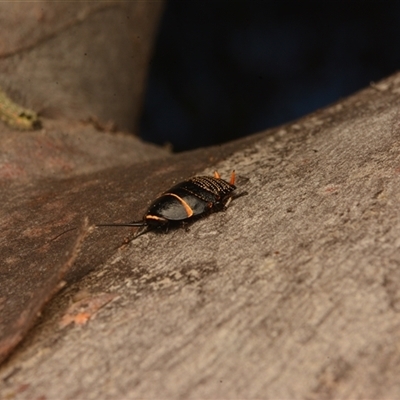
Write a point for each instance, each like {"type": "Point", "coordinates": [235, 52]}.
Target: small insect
{"type": "Point", "coordinates": [16, 116]}
{"type": "Point", "coordinates": [186, 201]}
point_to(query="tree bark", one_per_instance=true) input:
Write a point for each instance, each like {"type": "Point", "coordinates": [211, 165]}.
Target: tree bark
{"type": "Point", "coordinates": [292, 292]}
{"type": "Point", "coordinates": [78, 60]}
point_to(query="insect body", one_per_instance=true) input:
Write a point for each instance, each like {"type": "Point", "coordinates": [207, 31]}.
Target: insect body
{"type": "Point", "coordinates": [196, 197]}
{"type": "Point", "coordinates": [16, 116]}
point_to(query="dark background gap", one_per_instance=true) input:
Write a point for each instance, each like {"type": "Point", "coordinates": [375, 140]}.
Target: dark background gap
{"type": "Point", "coordinates": [225, 69]}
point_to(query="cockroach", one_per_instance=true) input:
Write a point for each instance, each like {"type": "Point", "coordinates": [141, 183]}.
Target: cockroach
{"type": "Point", "coordinates": [184, 202]}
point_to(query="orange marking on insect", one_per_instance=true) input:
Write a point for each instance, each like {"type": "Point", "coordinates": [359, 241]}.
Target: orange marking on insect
{"type": "Point", "coordinates": [150, 216]}
{"type": "Point", "coordinates": [233, 178]}
{"type": "Point", "coordinates": [217, 175]}
{"type": "Point", "coordinates": [186, 206]}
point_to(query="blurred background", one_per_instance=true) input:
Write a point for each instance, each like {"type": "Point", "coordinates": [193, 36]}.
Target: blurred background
{"type": "Point", "coordinates": [225, 69]}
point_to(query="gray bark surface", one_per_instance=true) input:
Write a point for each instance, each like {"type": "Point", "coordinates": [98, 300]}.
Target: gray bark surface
{"type": "Point", "coordinates": [78, 60]}
{"type": "Point", "coordinates": [82, 67]}
{"type": "Point", "coordinates": [293, 292]}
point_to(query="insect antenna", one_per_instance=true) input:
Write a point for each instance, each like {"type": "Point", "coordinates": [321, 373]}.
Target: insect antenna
{"type": "Point", "coordinates": [138, 223]}
{"type": "Point", "coordinates": [142, 224]}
